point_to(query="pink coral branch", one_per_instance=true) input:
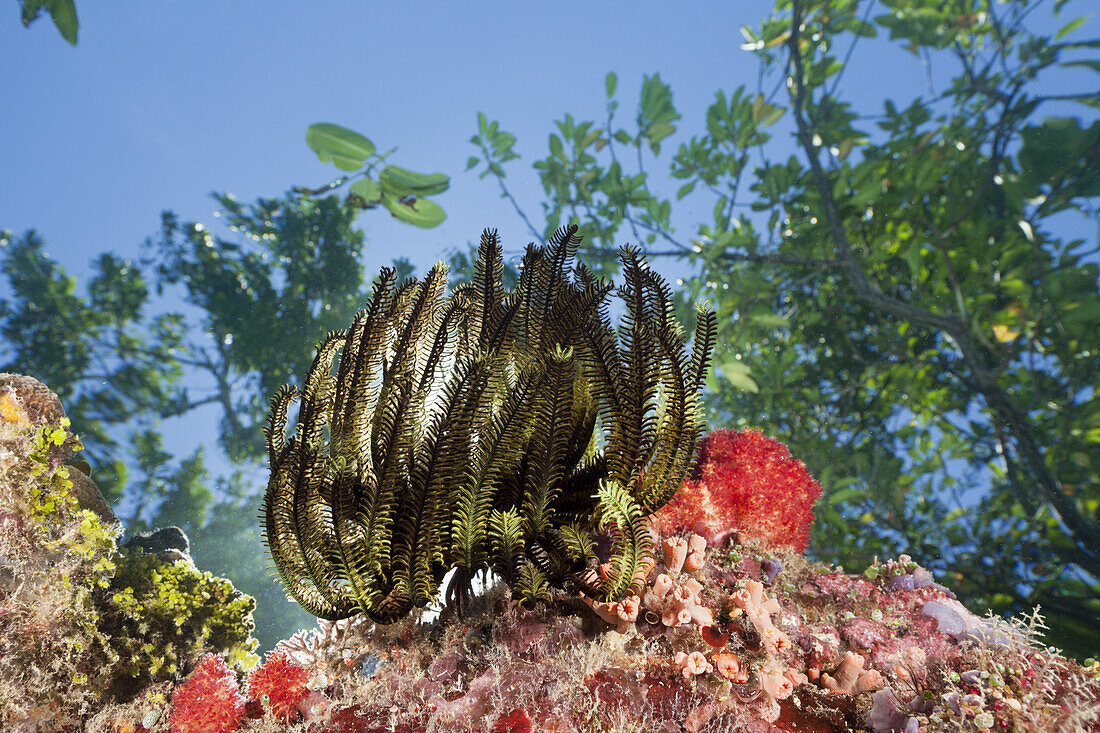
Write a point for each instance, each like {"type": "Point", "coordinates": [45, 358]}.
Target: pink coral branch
{"type": "Point", "coordinates": [759, 608]}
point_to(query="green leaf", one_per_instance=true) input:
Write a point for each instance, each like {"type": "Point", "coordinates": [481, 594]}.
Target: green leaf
{"type": "Point", "coordinates": [401, 182]}
{"type": "Point", "coordinates": [736, 365]}
{"type": "Point", "coordinates": [556, 147]}
{"type": "Point", "coordinates": [611, 83]}
{"type": "Point", "coordinates": [656, 112]}
{"type": "Point", "coordinates": [472, 161]}
{"type": "Point", "coordinates": [845, 148]}
{"type": "Point", "coordinates": [685, 189]}
{"type": "Point", "coordinates": [772, 115]}
{"type": "Point", "coordinates": [30, 10]}
{"type": "Point", "coordinates": [1083, 63]}
{"type": "Point", "coordinates": [913, 258]}
{"type": "Point", "coordinates": [769, 320]}
{"type": "Point", "coordinates": [63, 13]}
{"type": "Point", "coordinates": [658, 132]}
{"type": "Point", "coordinates": [758, 108]}
{"type": "Point", "coordinates": [845, 495]}
{"type": "Point", "coordinates": [737, 372]}
{"type": "Point", "coordinates": [1070, 27]}
{"type": "Point", "coordinates": [367, 189]}
{"type": "Point", "coordinates": [781, 38]}
{"type": "Point", "coordinates": [420, 212]}
{"type": "Point", "coordinates": [344, 148]}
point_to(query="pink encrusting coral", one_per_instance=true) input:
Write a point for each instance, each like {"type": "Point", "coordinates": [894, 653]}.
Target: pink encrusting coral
{"type": "Point", "coordinates": [744, 482]}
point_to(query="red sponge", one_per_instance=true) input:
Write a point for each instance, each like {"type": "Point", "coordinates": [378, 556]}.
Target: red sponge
{"type": "Point", "coordinates": [282, 682]}
{"type": "Point", "coordinates": [209, 701]}
{"type": "Point", "coordinates": [748, 482]}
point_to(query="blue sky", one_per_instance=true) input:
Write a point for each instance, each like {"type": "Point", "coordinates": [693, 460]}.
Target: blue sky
{"type": "Point", "coordinates": [161, 103]}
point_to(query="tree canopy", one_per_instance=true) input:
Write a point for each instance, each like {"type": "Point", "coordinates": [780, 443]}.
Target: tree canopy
{"type": "Point", "coordinates": [898, 298]}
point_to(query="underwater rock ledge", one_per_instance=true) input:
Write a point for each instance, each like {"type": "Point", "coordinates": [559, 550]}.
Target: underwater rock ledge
{"type": "Point", "coordinates": [732, 630]}
{"type": "Point", "coordinates": [87, 624]}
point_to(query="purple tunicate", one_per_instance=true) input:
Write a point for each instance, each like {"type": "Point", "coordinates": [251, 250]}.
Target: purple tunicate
{"type": "Point", "coordinates": [887, 714]}
{"type": "Point", "coordinates": [771, 568]}
{"type": "Point", "coordinates": [991, 637]}
{"type": "Point", "coordinates": [919, 578]}
{"type": "Point", "coordinates": [952, 617]}
{"type": "Point", "coordinates": [901, 582]}
{"type": "Point", "coordinates": [971, 677]}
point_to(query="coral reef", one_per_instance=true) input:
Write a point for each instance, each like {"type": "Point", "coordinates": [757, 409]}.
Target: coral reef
{"type": "Point", "coordinates": [817, 650]}
{"type": "Point", "coordinates": [83, 624]}
{"type": "Point", "coordinates": [721, 631]}
{"type": "Point", "coordinates": [162, 615]}
{"type": "Point", "coordinates": [714, 638]}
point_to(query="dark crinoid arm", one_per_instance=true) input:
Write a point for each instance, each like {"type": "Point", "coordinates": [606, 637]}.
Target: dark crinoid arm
{"type": "Point", "coordinates": [491, 428]}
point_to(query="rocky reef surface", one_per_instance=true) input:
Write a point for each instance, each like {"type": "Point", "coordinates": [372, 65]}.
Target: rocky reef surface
{"type": "Point", "coordinates": [729, 628]}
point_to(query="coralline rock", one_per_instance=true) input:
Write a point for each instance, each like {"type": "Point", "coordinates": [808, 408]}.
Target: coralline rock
{"type": "Point", "coordinates": [168, 543]}
{"type": "Point", "coordinates": [26, 401]}
{"type": "Point", "coordinates": [88, 495]}
{"type": "Point", "coordinates": [40, 405]}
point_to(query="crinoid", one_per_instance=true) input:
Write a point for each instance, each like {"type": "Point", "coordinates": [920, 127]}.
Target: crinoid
{"type": "Point", "coordinates": [491, 428]}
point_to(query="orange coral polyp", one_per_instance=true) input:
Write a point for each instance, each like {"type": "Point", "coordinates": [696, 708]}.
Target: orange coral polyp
{"type": "Point", "coordinates": [729, 666]}
{"type": "Point", "coordinates": [692, 664]}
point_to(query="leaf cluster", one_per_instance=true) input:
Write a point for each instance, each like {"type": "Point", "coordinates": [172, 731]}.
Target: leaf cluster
{"type": "Point", "coordinates": [62, 12]}
{"type": "Point", "coordinates": [402, 192]}
{"type": "Point", "coordinates": [492, 428]}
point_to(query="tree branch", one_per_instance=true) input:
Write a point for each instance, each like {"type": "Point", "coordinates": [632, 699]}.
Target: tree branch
{"type": "Point", "coordinates": [982, 379]}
